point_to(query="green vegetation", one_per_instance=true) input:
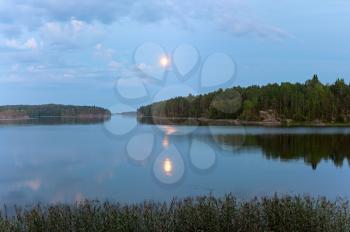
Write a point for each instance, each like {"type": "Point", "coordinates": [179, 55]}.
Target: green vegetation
{"type": "Point", "coordinates": [207, 213]}
{"type": "Point", "coordinates": [285, 102]}
{"type": "Point", "coordinates": [312, 148]}
{"type": "Point", "coordinates": [51, 110]}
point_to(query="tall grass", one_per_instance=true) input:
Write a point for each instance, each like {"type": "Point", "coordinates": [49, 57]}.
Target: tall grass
{"type": "Point", "coordinates": [207, 213]}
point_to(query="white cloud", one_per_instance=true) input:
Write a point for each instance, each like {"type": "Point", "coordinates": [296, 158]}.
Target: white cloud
{"type": "Point", "coordinates": [77, 25]}
{"type": "Point", "coordinates": [234, 16]}
{"type": "Point", "coordinates": [31, 43]}
{"type": "Point", "coordinates": [15, 44]}
{"type": "Point", "coordinates": [12, 43]}
{"type": "Point", "coordinates": [72, 34]}
{"type": "Point", "coordinates": [103, 52]}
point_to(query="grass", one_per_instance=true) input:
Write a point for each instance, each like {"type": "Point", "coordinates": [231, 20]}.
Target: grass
{"type": "Point", "coordinates": [207, 213]}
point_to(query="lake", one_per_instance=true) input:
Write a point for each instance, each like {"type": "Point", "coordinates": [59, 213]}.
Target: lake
{"type": "Point", "coordinates": [126, 161]}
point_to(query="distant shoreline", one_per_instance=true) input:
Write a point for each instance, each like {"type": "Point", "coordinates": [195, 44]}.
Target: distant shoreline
{"type": "Point", "coordinates": [33, 112]}
{"type": "Point", "coordinates": [128, 113]}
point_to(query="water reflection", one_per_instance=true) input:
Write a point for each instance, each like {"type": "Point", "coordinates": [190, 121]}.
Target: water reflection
{"type": "Point", "coordinates": [165, 141]}
{"type": "Point", "coordinates": [312, 148]}
{"type": "Point", "coordinates": [168, 166]}
{"type": "Point", "coordinates": [168, 130]}
{"type": "Point", "coordinates": [66, 163]}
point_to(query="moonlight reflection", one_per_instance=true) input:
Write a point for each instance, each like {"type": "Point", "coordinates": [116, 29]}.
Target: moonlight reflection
{"type": "Point", "coordinates": [165, 142]}
{"type": "Point", "coordinates": [168, 166]}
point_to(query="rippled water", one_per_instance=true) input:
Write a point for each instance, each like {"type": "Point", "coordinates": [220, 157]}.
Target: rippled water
{"type": "Point", "coordinates": [127, 161]}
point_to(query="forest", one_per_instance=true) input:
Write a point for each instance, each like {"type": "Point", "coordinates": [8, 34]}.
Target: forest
{"type": "Point", "coordinates": [299, 102]}
{"type": "Point", "coordinates": [51, 110]}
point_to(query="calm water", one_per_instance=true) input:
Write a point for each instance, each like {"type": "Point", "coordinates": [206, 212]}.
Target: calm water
{"type": "Point", "coordinates": [123, 160]}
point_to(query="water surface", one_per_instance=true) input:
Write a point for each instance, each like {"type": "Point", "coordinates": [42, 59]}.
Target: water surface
{"type": "Point", "coordinates": [126, 161]}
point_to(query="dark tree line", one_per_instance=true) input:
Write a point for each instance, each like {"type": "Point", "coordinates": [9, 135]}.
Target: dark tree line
{"type": "Point", "coordinates": [309, 101]}
{"type": "Point", "coordinates": [52, 110]}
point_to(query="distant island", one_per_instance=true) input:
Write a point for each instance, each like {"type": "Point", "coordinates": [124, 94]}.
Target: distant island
{"type": "Point", "coordinates": [24, 112]}
{"type": "Point", "coordinates": [127, 113]}
{"type": "Point", "coordinates": [310, 103]}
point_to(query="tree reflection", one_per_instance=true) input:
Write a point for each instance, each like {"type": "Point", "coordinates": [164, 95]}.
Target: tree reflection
{"type": "Point", "coordinates": [312, 148]}
{"type": "Point", "coordinates": [56, 121]}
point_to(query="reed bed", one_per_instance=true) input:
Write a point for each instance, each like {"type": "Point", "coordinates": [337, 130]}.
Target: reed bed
{"type": "Point", "coordinates": [205, 213]}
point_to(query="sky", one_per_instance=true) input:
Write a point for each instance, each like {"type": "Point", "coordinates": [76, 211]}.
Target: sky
{"type": "Point", "coordinates": [106, 53]}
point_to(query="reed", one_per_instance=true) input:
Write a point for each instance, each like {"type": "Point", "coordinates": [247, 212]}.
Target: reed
{"type": "Point", "coordinates": [204, 213]}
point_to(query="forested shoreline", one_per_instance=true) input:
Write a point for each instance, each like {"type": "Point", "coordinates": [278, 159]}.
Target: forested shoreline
{"type": "Point", "coordinates": [20, 112]}
{"type": "Point", "coordinates": [311, 101]}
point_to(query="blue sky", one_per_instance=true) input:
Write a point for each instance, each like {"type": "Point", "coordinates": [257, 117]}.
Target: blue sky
{"type": "Point", "coordinates": [74, 52]}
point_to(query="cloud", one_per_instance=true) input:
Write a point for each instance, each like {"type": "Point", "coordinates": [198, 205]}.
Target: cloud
{"type": "Point", "coordinates": [39, 74]}
{"type": "Point", "coordinates": [77, 25]}
{"type": "Point", "coordinates": [40, 35]}
{"type": "Point", "coordinates": [103, 52]}
{"type": "Point", "coordinates": [87, 10]}
{"type": "Point", "coordinates": [11, 43]}
{"type": "Point", "coordinates": [72, 34]}
{"type": "Point", "coordinates": [30, 43]}
{"type": "Point", "coordinates": [234, 16]}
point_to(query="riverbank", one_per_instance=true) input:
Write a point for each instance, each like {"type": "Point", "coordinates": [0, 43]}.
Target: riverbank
{"type": "Point", "coordinates": [207, 213]}
{"type": "Point", "coordinates": [235, 122]}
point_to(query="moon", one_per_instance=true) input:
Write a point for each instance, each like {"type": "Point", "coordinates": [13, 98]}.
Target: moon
{"type": "Point", "coordinates": [164, 61]}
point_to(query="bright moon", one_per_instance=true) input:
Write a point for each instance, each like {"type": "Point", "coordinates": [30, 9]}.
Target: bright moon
{"type": "Point", "coordinates": [164, 61]}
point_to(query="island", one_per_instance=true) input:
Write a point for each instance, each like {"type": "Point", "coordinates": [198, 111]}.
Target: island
{"type": "Point", "coordinates": [287, 104]}
{"type": "Point", "coordinates": [26, 112]}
